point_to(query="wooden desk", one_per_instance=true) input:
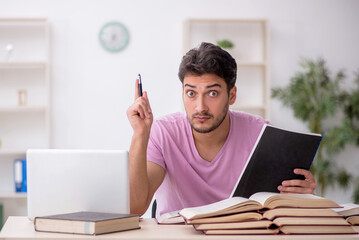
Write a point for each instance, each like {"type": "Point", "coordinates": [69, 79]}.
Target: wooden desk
{"type": "Point", "coordinates": [22, 228]}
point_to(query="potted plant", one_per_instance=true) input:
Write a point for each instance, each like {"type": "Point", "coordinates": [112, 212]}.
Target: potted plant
{"type": "Point", "coordinates": [314, 97]}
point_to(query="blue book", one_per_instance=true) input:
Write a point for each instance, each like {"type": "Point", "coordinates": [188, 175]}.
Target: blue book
{"type": "Point", "coordinates": [24, 176]}
{"type": "Point", "coordinates": [18, 175]}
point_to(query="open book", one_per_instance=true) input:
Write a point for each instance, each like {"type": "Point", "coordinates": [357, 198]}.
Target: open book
{"type": "Point", "coordinates": [258, 201]}
{"type": "Point", "coordinates": [350, 211]}
{"type": "Point", "coordinates": [276, 154]}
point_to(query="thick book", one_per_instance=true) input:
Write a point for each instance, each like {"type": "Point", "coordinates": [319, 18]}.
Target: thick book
{"type": "Point", "coordinates": [283, 225]}
{"type": "Point", "coordinates": [258, 201]}
{"type": "Point", "coordinates": [295, 230]}
{"type": "Point", "coordinates": [276, 153]}
{"type": "Point", "coordinates": [88, 223]}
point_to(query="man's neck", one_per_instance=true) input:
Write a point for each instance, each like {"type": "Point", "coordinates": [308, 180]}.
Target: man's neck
{"type": "Point", "coordinates": [209, 144]}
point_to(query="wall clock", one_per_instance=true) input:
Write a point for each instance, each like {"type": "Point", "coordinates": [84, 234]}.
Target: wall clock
{"type": "Point", "coordinates": [114, 36]}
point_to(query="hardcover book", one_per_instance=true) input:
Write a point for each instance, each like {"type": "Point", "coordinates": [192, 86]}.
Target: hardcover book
{"type": "Point", "coordinates": [277, 152]}
{"type": "Point", "coordinates": [89, 223]}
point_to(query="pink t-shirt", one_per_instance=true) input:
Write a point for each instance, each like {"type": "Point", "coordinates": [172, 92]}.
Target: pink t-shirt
{"type": "Point", "coordinates": [190, 180]}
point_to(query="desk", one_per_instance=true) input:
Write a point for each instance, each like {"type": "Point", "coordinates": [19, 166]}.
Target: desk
{"type": "Point", "coordinates": [22, 228]}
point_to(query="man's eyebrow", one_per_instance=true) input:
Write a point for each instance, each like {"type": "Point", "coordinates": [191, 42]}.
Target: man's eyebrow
{"type": "Point", "coordinates": [209, 86]}
{"type": "Point", "coordinates": [214, 85]}
{"type": "Point", "coordinates": [189, 85]}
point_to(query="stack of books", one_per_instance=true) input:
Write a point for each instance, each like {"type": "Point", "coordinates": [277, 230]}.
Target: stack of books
{"type": "Point", "coordinates": [269, 213]}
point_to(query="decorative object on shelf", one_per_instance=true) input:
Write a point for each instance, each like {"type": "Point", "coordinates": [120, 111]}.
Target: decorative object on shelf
{"type": "Point", "coordinates": [114, 36]}
{"type": "Point", "coordinates": [9, 52]}
{"type": "Point", "coordinates": [22, 97]}
{"type": "Point", "coordinates": [315, 97]}
{"type": "Point", "coordinates": [225, 44]}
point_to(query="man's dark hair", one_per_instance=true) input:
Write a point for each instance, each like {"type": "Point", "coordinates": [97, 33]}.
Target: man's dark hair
{"type": "Point", "coordinates": [209, 59]}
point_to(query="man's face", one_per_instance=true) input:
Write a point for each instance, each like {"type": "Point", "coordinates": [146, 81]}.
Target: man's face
{"type": "Point", "coordinates": [206, 101]}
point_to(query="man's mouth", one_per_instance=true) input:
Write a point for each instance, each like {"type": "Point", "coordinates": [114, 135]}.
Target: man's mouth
{"type": "Point", "coordinates": [202, 118]}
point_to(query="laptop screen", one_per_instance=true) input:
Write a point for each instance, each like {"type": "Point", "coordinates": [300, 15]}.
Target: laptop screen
{"type": "Point", "coordinates": [64, 181]}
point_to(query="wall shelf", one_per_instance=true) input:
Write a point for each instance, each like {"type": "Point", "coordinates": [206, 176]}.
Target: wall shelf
{"type": "Point", "coordinates": [24, 99]}
{"type": "Point", "coordinates": [251, 40]}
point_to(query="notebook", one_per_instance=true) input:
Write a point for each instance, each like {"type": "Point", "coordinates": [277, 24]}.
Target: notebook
{"type": "Point", "coordinates": [65, 181]}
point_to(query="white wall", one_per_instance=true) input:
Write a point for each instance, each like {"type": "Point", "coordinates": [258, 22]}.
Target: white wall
{"type": "Point", "coordinates": [91, 88]}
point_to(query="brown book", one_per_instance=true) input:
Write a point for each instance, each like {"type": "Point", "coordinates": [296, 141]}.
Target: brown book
{"type": "Point", "coordinates": [237, 217]}
{"type": "Point", "coordinates": [258, 201]}
{"type": "Point", "coordinates": [89, 223]}
{"type": "Point", "coordinates": [281, 225]}
{"type": "Point", "coordinates": [234, 225]}
{"type": "Point", "coordinates": [258, 231]}
{"type": "Point", "coordinates": [307, 229]}
{"type": "Point", "coordinates": [300, 212]}
{"type": "Point", "coordinates": [313, 225]}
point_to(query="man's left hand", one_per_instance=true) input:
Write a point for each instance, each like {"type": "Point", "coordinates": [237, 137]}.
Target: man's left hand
{"type": "Point", "coordinates": [299, 186]}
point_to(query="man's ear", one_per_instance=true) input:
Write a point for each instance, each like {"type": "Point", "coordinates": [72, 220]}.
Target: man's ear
{"type": "Point", "coordinates": [232, 95]}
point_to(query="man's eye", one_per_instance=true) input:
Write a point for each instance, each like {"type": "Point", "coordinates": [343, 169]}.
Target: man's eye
{"type": "Point", "coordinates": [213, 93]}
{"type": "Point", "coordinates": [190, 93]}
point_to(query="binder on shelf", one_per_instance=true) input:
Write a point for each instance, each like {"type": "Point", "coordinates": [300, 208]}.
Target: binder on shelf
{"type": "Point", "coordinates": [1, 216]}
{"type": "Point", "coordinates": [20, 177]}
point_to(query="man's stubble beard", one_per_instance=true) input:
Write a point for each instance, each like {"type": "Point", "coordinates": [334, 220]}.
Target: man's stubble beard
{"type": "Point", "coordinates": [215, 125]}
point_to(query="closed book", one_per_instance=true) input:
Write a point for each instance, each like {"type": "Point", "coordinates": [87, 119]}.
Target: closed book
{"type": "Point", "coordinates": [89, 223]}
{"type": "Point", "coordinates": [277, 152]}
{"type": "Point", "coordinates": [254, 231]}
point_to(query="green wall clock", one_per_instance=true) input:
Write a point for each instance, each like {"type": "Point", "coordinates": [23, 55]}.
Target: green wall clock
{"type": "Point", "coordinates": [114, 36]}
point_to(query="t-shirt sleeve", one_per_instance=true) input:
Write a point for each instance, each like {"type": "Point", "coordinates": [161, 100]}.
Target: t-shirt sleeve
{"type": "Point", "coordinates": [154, 148]}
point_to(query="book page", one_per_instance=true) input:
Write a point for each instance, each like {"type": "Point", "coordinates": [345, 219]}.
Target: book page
{"type": "Point", "coordinates": [170, 217]}
{"type": "Point", "coordinates": [221, 206]}
{"type": "Point", "coordinates": [261, 197]}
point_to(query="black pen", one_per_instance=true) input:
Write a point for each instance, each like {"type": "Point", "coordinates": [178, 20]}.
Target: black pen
{"type": "Point", "coordinates": [139, 85]}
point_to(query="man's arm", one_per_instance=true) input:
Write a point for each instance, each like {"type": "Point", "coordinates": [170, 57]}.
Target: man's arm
{"type": "Point", "coordinates": [145, 177]}
{"type": "Point", "coordinates": [299, 186]}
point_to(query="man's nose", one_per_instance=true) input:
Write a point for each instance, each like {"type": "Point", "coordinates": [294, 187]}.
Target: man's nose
{"type": "Point", "coordinates": [201, 105]}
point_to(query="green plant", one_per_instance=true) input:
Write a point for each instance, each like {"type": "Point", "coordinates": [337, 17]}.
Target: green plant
{"type": "Point", "coordinates": [225, 43]}
{"type": "Point", "coordinates": [314, 97]}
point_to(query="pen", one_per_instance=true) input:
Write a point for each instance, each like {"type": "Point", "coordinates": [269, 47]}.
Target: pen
{"type": "Point", "coordinates": [140, 84]}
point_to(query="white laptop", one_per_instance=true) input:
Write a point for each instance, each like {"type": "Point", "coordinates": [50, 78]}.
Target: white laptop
{"type": "Point", "coordinates": [64, 181]}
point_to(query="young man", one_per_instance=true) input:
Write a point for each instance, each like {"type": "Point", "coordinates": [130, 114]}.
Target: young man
{"type": "Point", "coordinates": [195, 158]}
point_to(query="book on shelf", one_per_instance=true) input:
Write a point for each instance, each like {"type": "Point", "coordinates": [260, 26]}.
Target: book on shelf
{"type": "Point", "coordinates": [276, 153]}
{"type": "Point", "coordinates": [88, 223]}
{"type": "Point", "coordinates": [258, 201]}
{"type": "Point", "coordinates": [350, 211]}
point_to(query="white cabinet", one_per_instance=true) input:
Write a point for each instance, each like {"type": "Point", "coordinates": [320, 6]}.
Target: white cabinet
{"type": "Point", "coordinates": [24, 100]}
{"type": "Point", "coordinates": [251, 41]}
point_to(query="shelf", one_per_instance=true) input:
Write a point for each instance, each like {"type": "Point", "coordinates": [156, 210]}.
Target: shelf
{"type": "Point", "coordinates": [21, 65]}
{"type": "Point", "coordinates": [13, 195]}
{"type": "Point", "coordinates": [7, 152]}
{"type": "Point", "coordinates": [23, 109]}
{"type": "Point", "coordinates": [251, 64]}
{"type": "Point", "coordinates": [20, 22]}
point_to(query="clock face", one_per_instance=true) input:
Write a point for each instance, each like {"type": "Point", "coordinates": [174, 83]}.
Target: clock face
{"type": "Point", "coordinates": [114, 37]}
